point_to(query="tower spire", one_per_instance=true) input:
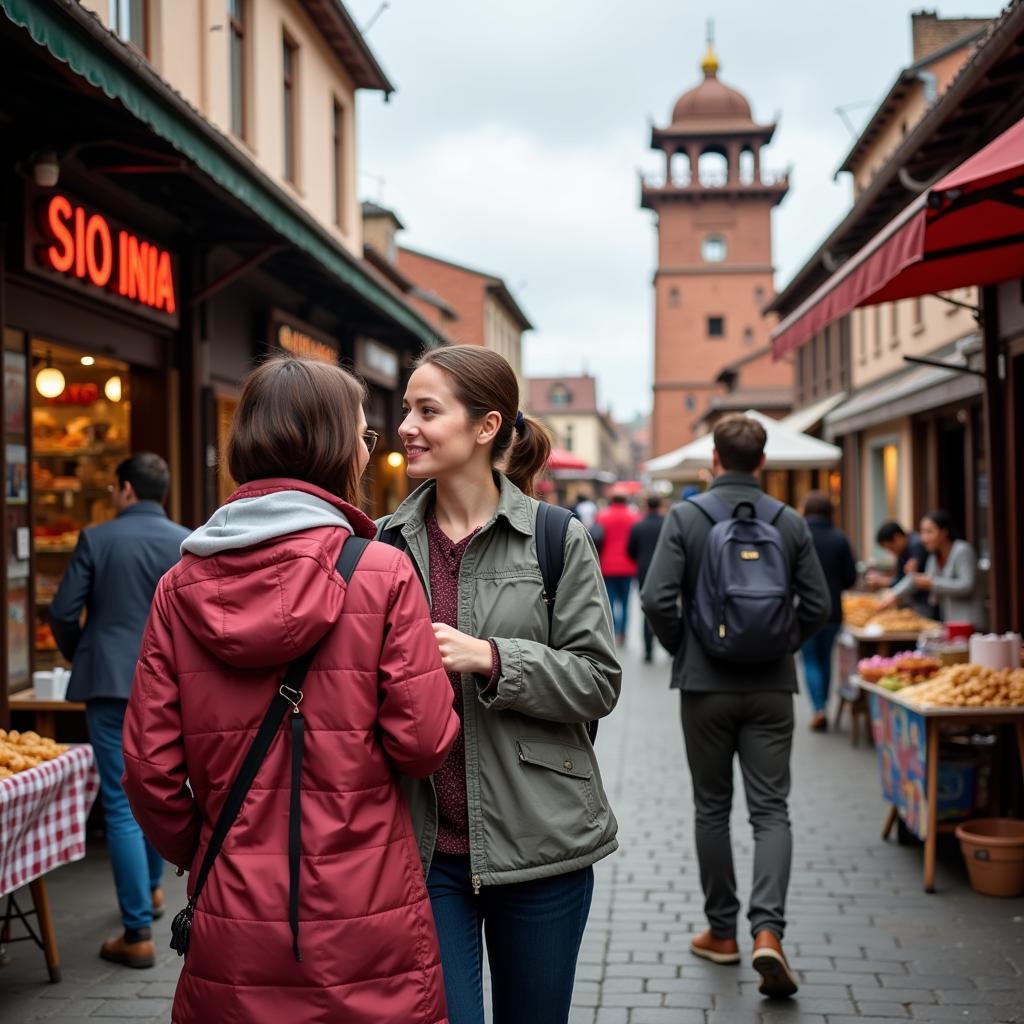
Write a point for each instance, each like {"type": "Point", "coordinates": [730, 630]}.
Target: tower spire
{"type": "Point", "coordinates": [709, 65]}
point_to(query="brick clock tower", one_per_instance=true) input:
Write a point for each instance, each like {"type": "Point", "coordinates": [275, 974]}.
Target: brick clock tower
{"type": "Point", "coordinates": [715, 270]}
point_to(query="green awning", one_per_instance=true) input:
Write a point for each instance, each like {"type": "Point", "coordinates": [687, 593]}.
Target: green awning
{"type": "Point", "coordinates": [76, 38]}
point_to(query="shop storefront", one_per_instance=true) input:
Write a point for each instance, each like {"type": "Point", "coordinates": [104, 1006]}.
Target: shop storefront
{"type": "Point", "coordinates": [91, 304]}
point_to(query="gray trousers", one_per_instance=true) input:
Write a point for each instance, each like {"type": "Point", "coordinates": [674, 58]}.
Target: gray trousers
{"type": "Point", "coordinates": [759, 728]}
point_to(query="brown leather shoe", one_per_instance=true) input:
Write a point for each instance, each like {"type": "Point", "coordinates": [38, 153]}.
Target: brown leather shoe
{"type": "Point", "coordinates": [158, 904]}
{"type": "Point", "coordinates": [777, 979]}
{"type": "Point", "coordinates": [129, 954]}
{"type": "Point", "coordinates": [718, 951]}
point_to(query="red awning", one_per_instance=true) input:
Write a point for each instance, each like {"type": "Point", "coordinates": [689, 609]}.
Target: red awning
{"type": "Point", "coordinates": [966, 230]}
{"type": "Point", "coordinates": [561, 459]}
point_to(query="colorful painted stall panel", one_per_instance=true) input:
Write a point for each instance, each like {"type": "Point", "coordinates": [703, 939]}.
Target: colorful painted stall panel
{"type": "Point", "coordinates": [901, 741]}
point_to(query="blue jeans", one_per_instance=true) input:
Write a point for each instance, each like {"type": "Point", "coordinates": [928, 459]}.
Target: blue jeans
{"type": "Point", "coordinates": [618, 596]}
{"type": "Point", "coordinates": [138, 868]}
{"type": "Point", "coordinates": [533, 930]}
{"type": "Point", "coordinates": [817, 654]}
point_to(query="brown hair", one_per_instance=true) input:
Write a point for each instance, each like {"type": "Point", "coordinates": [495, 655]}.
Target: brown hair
{"type": "Point", "coordinates": [740, 441]}
{"type": "Point", "coordinates": [817, 503]}
{"type": "Point", "coordinates": [298, 418]}
{"type": "Point", "coordinates": [484, 382]}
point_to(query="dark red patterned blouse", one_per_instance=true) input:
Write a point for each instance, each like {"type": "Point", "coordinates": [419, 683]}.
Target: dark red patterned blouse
{"type": "Point", "coordinates": [450, 779]}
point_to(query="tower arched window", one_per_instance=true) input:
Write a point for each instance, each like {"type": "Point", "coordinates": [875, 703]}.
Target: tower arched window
{"type": "Point", "coordinates": [713, 169]}
{"type": "Point", "coordinates": [713, 249]}
{"type": "Point", "coordinates": [674, 296]}
{"type": "Point", "coordinates": [748, 335]}
{"type": "Point", "coordinates": [748, 165]}
{"type": "Point", "coordinates": [679, 168]}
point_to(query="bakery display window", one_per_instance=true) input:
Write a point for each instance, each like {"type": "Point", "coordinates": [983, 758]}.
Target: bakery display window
{"type": "Point", "coordinates": [80, 431]}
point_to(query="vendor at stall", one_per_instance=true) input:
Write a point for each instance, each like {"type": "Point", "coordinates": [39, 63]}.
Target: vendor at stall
{"type": "Point", "coordinates": [909, 551]}
{"type": "Point", "coordinates": [950, 576]}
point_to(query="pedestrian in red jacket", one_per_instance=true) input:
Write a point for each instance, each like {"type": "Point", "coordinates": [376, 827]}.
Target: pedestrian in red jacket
{"type": "Point", "coordinates": [256, 588]}
{"type": "Point", "coordinates": [615, 523]}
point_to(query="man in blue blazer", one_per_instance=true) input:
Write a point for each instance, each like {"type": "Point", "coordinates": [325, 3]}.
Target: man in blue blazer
{"type": "Point", "coordinates": [112, 576]}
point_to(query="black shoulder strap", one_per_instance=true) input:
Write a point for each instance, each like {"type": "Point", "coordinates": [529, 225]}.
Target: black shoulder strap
{"type": "Point", "coordinates": [768, 509]}
{"type": "Point", "coordinates": [551, 529]}
{"type": "Point", "coordinates": [288, 698]}
{"type": "Point", "coordinates": [392, 536]}
{"type": "Point", "coordinates": [552, 526]}
{"type": "Point", "coordinates": [712, 506]}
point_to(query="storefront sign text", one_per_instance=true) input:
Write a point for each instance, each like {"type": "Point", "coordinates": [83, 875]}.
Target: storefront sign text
{"type": "Point", "coordinates": [92, 252]}
{"type": "Point", "coordinates": [301, 339]}
{"type": "Point", "coordinates": [377, 362]}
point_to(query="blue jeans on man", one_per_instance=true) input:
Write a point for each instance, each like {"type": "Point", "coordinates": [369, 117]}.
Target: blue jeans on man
{"type": "Point", "coordinates": [533, 929]}
{"type": "Point", "coordinates": [138, 868]}
{"type": "Point", "coordinates": [817, 654]}
{"type": "Point", "coordinates": [619, 588]}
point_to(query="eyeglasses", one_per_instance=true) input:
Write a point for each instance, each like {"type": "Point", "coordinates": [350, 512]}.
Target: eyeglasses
{"type": "Point", "coordinates": [370, 437]}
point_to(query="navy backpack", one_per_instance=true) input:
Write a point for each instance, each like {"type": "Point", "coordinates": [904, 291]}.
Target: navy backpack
{"type": "Point", "coordinates": [743, 606]}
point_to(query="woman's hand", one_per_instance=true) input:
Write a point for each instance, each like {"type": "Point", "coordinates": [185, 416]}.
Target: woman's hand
{"type": "Point", "coordinates": [461, 652]}
{"type": "Point", "coordinates": [887, 601]}
{"type": "Point", "coordinates": [922, 581]}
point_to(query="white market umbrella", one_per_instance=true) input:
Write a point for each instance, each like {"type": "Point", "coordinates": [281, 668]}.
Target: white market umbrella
{"type": "Point", "coordinates": [786, 449]}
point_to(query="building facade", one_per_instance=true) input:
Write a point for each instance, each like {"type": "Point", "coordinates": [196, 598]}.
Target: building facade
{"type": "Point", "coordinates": [913, 435]}
{"type": "Point", "coordinates": [714, 276]}
{"type": "Point", "coordinates": [148, 260]}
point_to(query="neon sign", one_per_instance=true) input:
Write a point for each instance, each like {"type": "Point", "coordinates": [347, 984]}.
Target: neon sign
{"type": "Point", "coordinates": [83, 246]}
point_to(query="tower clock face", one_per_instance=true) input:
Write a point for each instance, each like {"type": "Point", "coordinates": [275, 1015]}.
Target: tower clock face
{"type": "Point", "coordinates": [712, 249]}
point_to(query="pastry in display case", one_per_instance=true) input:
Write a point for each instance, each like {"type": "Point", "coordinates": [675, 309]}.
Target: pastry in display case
{"type": "Point", "coordinates": [80, 417]}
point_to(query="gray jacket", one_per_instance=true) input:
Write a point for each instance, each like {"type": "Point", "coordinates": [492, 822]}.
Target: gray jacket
{"type": "Point", "coordinates": [113, 575]}
{"type": "Point", "coordinates": [672, 583]}
{"type": "Point", "coordinates": [956, 590]}
{"type": "Point", "coordinates": [537, 805]}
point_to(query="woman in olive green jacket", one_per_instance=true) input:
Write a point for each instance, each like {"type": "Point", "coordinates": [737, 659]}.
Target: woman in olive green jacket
{"type": "Point", "coordinates": [510, 826]}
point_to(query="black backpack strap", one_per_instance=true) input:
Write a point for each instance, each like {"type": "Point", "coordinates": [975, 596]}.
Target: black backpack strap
{"type": "Point", "coordinates": [552, 527]}
{"type": "Point", "coordinates": [768, 509]}
{"type": "Point", "coordinates": [712, 506]}
{"type": "Point", "coordinates": [288, 698]}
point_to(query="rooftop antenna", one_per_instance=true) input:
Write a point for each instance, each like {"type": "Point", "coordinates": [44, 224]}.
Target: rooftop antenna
{"type": "Point", "coordinates": [373, 21]}
{"type": "Point", "coordinates": [841, 111]}
{"type": "Point", "coordinates": [380, 180]}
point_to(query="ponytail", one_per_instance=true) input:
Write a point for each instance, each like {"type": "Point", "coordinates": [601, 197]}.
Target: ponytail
{"type": "Point", "coordinates": [529, 455]}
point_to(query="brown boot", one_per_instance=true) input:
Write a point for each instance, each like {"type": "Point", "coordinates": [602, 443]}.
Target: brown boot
{"type": "Point", "coordinates": [777, 978]}
{"type": "Point", "coordinates": [158, 904]}
{"type": "Point", "coordinates": [718, 951]}
{"type": "Point", "coordinates": [129, 954]}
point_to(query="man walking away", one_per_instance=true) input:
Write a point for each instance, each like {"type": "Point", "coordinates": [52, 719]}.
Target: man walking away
{"type": "Point", "coordinates": [618, 569]}
{"type": "Point", "coordinates": [762, 594]}
{"type": "Point", "coordinates": [643, 539]}
{"type": "Point", "coordinates": [112, 576]}
{"type": "Point", "coordinates": [840, 569]}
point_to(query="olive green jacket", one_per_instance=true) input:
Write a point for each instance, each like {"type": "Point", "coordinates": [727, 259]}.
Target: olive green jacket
{"type": "Point", "coordinates": [536, 803]}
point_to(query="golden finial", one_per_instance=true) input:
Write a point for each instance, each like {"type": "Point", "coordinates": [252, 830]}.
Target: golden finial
{"type": "Point", "coordinates": [709, 65]}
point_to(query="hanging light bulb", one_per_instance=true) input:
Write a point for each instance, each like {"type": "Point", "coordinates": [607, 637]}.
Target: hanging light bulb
{"type": "Point", "coordinates": [49, 380]}
{"type": "Point", "coordinates": [396, 460]}
{"type": "Point", "coordinates": [88, 361]}
{"type": "Point", "coordinates": [112, 389]}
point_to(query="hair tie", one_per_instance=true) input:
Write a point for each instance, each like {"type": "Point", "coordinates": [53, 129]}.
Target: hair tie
{"type": "Point", "coordinates": [520, 423]}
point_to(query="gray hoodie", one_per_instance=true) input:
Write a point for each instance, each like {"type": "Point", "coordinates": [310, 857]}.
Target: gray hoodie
{"type": "Point", "coordinates": [250, 521]}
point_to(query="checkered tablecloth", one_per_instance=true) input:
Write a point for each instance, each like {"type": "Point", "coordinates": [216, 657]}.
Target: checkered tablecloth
{"type": "Point", "coordinates": [42, 816]}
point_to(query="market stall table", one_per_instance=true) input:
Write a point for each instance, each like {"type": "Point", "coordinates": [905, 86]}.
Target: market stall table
{"type": "Point", "coordinates": [45, 711]}
{"type": "Point", "coordinates": [43, 811]}
{"type": "Point", "coordinates": [907, 739]}
{"type": "Point", "coordinates": [855, 643]}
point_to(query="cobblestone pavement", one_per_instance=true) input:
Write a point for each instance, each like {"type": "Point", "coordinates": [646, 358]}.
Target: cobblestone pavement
{"type": "Point", "coordinates": [868, 943]}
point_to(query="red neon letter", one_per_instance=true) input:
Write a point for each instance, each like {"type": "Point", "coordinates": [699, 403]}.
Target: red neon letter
{"type": "Point", "coordinates": [99, 271]}
{"type": "Point", "coordinates": [62, 255]}
{"type": "Point", "coordinates": [138, 260]}
{"type": "Point", "coordinates": [122, 263]}
{"type": "Point", "coordinates": [163, 298]}
{"type": "Point", "coordinates": [151, 258]}
{"type": "Point", "coordinates": [79, 242]}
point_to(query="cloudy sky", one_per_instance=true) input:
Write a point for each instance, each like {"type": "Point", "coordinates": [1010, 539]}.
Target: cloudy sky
{"type": "Point", "coordinates": [515, 136]}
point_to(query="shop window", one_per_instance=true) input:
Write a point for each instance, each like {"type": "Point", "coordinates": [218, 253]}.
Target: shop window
{"type": "Point", "coordinates": [885, 478]}
{"type": "Point", "coordinates": [814, 364]}
{"type": "Point", "coordinates": [80, 407]}
{"type": "Point", "coordinates": [894, 325]}
{"type": "Point", "coordinates": [862, 336]}
{"type": "Point", "coordinates": [289, 83]}
{"type": "Point", "coordinates": [237, 21]}
{"type": "Point", "coordinates": [338, 158]}
{"type": "Point", "coordinates": [878, 330]}
{"type": "Point", "coordinates": [226, 406]}
{"type": "Point", "coordinates": [716, 326]}
{"type": "Point", "coordinates": [918, 314]}
{"type": "Point", "coordinates": [570, 439]}
{"type": "Point", "coordinates": [128, 20]}
{"type": "Point", "coordinates": [713, 249]}
{"type": "Point", "coordinates": [827, 352]}
{"type": "Point", "coordinates": [844, 353]}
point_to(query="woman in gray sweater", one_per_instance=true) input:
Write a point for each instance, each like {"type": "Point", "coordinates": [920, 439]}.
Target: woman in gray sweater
{"type": "Point", "coordinates": [950, 575]}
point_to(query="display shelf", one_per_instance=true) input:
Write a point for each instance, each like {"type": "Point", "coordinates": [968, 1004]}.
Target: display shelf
{"type": "Point", "coordinates": [73, 490]}
{"type": "Point", "coordinates": [66, 550]}
{"type": "Point", "coordinates": [70, 453]}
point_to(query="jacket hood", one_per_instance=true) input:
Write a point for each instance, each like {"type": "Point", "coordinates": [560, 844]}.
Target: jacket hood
{"type": "Point", "coordinates": [258, 584]}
